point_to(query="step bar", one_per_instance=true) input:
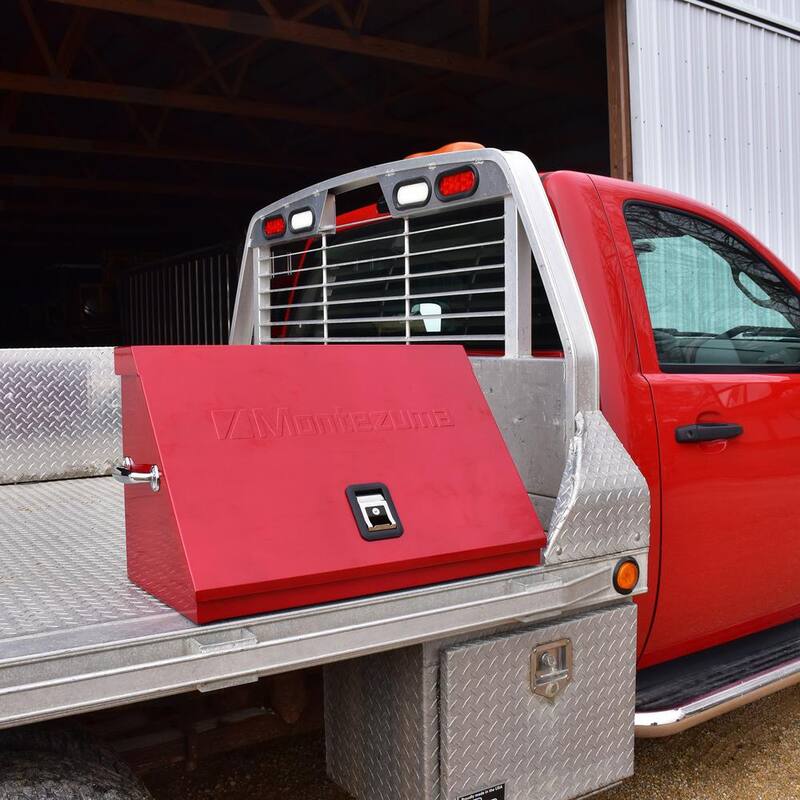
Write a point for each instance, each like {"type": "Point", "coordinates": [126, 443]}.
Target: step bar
{"type": "Point", "coordinates": [666, 722]}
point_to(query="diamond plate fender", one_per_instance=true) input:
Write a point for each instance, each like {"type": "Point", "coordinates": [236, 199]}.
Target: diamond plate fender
{"type": "Point", "coordinates": [59, 413]}
{"type": "Point", "coordinates": [603, 503]}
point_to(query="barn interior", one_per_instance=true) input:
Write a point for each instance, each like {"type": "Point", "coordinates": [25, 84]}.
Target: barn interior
{"type": "Point", "coordinates": [138, 134]}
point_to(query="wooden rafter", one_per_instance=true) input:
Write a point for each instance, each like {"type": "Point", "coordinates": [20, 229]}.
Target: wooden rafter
{"type": "Point", "coordinates": [361, 15]}
{"type": "Point", "coordinates": [269, 7]}
{"type": "Point", "coordinates": [39, 37]}
{"type": "Point", "coordinates": [72, 40]}
{"type": "Point", "coordinates": [207, 60]}
{"type": "Point", "coordinates": [287, 30]}
{"type": "Point", "coordinates": [549, 37]}
{"type": "Point", "coordinates": [484, 10]}
{"type": "Point", "coordinates": [131, 113]}
{"type": "Point", "coordinates": [237, 107]}
{"type": "Point", "coordinates": [126, 186]}
{"type": "Point", "coordinates": [66, 144]}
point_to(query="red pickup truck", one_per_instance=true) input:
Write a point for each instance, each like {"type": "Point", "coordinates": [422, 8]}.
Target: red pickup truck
{"type": "Point", "coordinates": [697, 326]}
{"type": "Point", "coordinates": [640, 355]}
{"type": "Point", "coordinates": [697, 329]}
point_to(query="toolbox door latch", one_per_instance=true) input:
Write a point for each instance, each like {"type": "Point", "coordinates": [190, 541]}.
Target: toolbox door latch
{"type": "Point", "coordinates": [374, 511]}
{"type": "Point", "coordinates": [551, 668]}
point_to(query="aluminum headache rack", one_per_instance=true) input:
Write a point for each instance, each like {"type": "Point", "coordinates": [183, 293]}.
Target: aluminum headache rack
{"type": "Point", "coordinates": [558, 639]}
{"type": "Point", "coordinates": [454, 269]}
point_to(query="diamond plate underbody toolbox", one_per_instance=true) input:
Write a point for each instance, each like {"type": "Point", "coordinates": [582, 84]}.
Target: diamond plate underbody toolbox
{"type": "Point", "coordinates": [457, 718]}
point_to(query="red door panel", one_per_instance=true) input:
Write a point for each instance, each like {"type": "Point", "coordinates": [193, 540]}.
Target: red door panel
{"type": "Point", "coordinates": [731, 557]}
{"type": "Point", "coordinates": [730, 538]}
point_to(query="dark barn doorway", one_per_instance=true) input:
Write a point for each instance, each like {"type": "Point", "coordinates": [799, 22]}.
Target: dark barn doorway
{"type": "Point", "coordinates": [139, 136]}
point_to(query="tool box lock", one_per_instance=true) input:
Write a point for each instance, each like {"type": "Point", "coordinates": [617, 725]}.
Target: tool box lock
{"type": "Point", "coordinates": [551, 668]}
{"type": "Point", "coordinates": [374, 511]}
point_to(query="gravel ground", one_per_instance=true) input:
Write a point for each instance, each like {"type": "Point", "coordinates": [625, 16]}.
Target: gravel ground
{"type": "Point", "coordinates": [750, 754]}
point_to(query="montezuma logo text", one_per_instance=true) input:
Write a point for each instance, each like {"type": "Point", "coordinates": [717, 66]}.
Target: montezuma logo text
{"type": "Point", "coordinates": [276, 423]}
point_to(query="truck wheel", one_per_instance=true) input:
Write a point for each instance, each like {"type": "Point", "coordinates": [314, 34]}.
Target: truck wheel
{"type": "Point", "coordinates": [32, 775]}
{"type": "Point", "coordinates": [66, 740]}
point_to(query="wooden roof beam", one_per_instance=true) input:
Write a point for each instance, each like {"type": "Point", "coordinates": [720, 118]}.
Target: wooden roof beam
{"type": "Point", "coordinates": [346, 41]}
{"type": "Point", "coordinates": [39, 37]}
{"type": "Point", "coordinates": [232, 106]}
{"type": "Point", "coordinates": [125, 186]}
{"type": "Point", "coordinates": [64, 144]}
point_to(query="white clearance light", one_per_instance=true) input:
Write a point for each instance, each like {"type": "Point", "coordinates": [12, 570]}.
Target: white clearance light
{"type": "Point", "coordinates": [413, 194]}
{"type": "Point", "coordinates": [301, 221]}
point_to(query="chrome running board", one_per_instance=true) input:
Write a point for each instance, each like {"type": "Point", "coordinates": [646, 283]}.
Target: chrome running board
{"type": "Point", "coordinates": [665, 722]}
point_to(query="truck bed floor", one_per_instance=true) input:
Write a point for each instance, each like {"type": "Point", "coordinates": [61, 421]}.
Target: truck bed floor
{"type": "Point", "coordinates": [77, 635]}
{"type": "Point", "coordinates": [63, 580]}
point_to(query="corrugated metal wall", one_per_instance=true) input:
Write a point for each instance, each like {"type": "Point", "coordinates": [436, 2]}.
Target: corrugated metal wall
{"type": "Point", "coordinates": [779, 11]}
{"type": "Point", "coordinates": [715, 109]}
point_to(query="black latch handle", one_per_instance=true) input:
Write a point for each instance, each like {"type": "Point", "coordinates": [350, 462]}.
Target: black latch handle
{"type": "Point", "coordinates": [707, 432]}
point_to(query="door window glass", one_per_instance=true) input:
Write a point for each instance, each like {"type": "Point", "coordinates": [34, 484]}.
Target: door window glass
{"type": "Point", "coordinates": [714, 304]}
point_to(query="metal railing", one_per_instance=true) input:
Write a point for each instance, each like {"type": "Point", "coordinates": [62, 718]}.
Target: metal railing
{"type": "Point", "coordinates": [184, 299]}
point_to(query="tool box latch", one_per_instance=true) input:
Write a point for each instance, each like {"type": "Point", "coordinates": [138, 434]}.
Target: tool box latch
{"type": "Point", "coordinates": [551, 668]}
{"type": "Point", "coordinates": [374, 511]}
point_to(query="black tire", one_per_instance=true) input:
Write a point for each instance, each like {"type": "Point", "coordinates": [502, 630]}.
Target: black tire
{"type": "Point", "coordinates": [62, 739]}
{"type": "Point", "coordinates": [50, 776]}
{"type": "Point", "coordinates": [57, 763]}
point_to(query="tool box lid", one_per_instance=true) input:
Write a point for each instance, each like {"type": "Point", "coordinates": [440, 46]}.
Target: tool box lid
{"type": "Point", "coordinates": [292, 474]}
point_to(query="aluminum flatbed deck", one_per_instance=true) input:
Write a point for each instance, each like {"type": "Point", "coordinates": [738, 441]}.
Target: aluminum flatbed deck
{"type": "Point", "coordinates": [76, 635]}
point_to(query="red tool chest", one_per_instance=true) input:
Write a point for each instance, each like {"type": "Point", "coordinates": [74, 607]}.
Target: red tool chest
{"type": "Point", "coordinates": [297, 474]}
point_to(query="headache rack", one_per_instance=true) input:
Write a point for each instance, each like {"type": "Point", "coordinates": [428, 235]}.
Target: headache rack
{"type": "Point", "coordinates": [385, 279]}
{"type": "Point", "coordinates": [480, 270]}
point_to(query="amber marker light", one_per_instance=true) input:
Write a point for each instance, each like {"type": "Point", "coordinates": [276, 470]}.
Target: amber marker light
{"type": "Point", "coordinates": [626, 575]}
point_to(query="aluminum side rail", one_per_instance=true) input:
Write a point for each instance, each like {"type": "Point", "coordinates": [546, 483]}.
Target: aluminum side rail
{"type": "Point", "coordinates": [43, 685]}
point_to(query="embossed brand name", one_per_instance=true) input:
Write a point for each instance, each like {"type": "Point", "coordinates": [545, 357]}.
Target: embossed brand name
{"type": "Point", "coordinates": [275, 423]}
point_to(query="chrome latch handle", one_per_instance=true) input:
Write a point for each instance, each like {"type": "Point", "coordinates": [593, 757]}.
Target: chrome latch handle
{"type": "Point", "coordinates": [130, 473]}
{"type": "Point", "coordinates": [551, 668]}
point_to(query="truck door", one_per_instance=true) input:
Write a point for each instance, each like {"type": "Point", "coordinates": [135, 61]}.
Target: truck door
{"type": "Point", "coordinates": [718, 322]}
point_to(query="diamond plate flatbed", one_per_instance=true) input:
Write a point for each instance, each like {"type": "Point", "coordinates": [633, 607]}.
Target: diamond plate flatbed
{"type": "Point", "coordinates": [76, 635]}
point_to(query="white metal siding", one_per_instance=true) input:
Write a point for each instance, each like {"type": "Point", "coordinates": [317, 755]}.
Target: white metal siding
{"type": "Point", "coordinates": [778, 11]}
{"type": "Point", "coordinates": [715, 110]}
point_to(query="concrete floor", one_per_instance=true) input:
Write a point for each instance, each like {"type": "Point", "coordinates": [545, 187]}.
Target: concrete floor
{"type": "Point", "coordinates": [750, 754]}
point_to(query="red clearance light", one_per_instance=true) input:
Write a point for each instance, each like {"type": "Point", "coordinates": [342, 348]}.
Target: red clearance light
{"type": "Point", "coordinates": [461, 182]}
{"type": "Point", "coordinates": [274, 226]}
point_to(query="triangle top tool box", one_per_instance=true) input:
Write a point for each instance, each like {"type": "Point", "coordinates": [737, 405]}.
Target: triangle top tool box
{"type": "Point", "coordinates": [281, 476]}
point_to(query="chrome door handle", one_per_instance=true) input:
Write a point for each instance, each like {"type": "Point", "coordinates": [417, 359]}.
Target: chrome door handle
{"type": "Point", "coordinates": [129, 473]}
{"type": "Point", "coordinates": [707, 432]}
